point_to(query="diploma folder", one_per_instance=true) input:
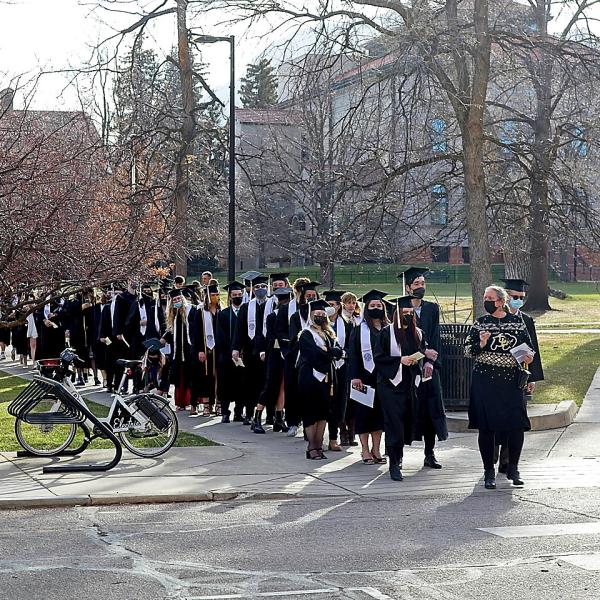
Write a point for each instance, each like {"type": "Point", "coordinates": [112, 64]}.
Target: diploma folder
{"type": "Point", "coordinates": [366, 396]}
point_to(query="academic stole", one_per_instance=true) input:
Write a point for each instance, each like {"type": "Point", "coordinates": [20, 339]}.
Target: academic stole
{"type": "Point", "coordinates": [322, 377]}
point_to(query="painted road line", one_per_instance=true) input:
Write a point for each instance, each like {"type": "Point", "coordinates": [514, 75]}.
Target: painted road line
{"type": "Point", "coordinates": [588, 562]}
{"type": "Point", "coordinates": [526, 531]}
{"type": "Point", "coordinates": [371, 592]}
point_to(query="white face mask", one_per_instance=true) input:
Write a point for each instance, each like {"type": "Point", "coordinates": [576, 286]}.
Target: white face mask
{"type": "Point", "coordinates": [330, 310]}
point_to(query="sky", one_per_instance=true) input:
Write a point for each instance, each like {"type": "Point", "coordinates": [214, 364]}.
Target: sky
{"type": "Point", "coordinates": [59, 34]}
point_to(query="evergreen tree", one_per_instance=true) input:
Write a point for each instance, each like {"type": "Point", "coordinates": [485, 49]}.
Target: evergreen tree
{"type": "Point", "coordinates": [259, 87]}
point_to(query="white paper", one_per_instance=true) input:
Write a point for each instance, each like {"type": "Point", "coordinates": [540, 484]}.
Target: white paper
{"type": "Point", "coordinates": [522, 351]}
{"type": "Point", "coordinates": [238, 363]}
{"type": "Point", "coordinates": [366, 398]}
{"type": "Point", "coordinates": [107, 341]}
{"type": "Point", "coordinates": [166, 349]}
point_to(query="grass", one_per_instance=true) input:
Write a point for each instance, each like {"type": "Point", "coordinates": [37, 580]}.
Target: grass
{"type": "Point", "coordinates": [570, 362]}
{"type": "Point", "coordinates": [11, 386]}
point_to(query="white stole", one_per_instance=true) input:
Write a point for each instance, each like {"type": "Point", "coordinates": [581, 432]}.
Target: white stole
{"type": "Point", "coordinates": [252, 318]}
{"type": "Point", "coordinates": [395, 351]}
{"type": "Point", "coordinates": [269, 308]}
{"type": "Point", "coordinates": [320, 344]}
{"type": "Point", "coordinates": [112, 310]}
{"type": "Point", "coordinates": [143, 317]}
{"type": "Point", "coordinates": [340, 332]}
{"type": "Point", "coordinates": [185, 325]}
{"type": "Point", "coordinates": [156, 321]}
{"type": "Point", "coordinates": [46, 311]}
{"type": "Point", "coordinates": [365, 347]}
{"type": "Point", "coordinates": [292, 308]}
{"type": "Point", "coordinates": [245, 297]}
{"type": "Point", "coordinates": [209, 336]}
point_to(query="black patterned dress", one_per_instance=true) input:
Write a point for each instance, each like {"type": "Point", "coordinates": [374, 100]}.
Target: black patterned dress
{"type": "Point", "coordinates": [496, 402]}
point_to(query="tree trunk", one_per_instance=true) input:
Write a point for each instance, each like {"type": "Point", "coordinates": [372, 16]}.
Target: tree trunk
{"type": "Point", "coordinates": [188, 133]}
{"type": "Point", "coordinates": [537, 297]}
{"type": "Point", "coordinates": [327, 274]}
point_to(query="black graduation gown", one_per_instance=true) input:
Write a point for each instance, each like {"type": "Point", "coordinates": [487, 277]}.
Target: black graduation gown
{"type": "Point", "coordinates": [204, 373]}
{"type": "Point", "coordinates": [399, 403]}
{"type": "Point", "coordinates": [229, 377]}
{"type": "Point", "coordinates": [74, 324]}
{"type": "Point", "coordinates": [51, 339]}
{"type": "Point", "coordinates": [366, 419]}
{"type": "Point", "coordinates": [18, 336]}
{"type": "Point", "coordinates": [315, 396]}
{"type": "Point", "coordinates": [496, 402]}
{"type": "Point", "coordinates": [274, 361]}
{"type": "Point", "coordinates": [181, 362]}
{"type": "Point", "coordinates": [338, 409]}
{"type": "Point", "coordinates": [101, 324]}
{"type": "Point", "coordinates": [123, 305]}
{"type": "Point", "coordinates": [430, 392]}
{"type": "Point", "coordinates": [535, 368]}
{"type": "Point", "coordinates": [254, 372]}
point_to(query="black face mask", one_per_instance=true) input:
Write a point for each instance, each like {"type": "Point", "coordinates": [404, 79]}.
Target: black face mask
{"type": "Point", "coordinates": [407, 320]}
{"type": "Point", "coordinates": [147, 296]}
{"type": "Point", "coordinates": [320, 321]}
{"type": "Point", "coordinates": [490, 306]}
{"type": "Point", "coordinates": [418, 293]}
{"type": "Point", "coordinates": [237, 301]}
{"type": "Point", "coordinates": [376, 313]}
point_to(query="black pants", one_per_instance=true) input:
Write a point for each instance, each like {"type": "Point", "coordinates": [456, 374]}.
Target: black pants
{"type": "Point", "coordinates": [487, 446]}
{"type": "Point", "coordinates": [395, 454]}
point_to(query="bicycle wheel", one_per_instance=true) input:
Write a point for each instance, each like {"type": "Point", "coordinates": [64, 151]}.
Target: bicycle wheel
{"type": "Point", "coordinates": [152, 441]}
{"type": "Point", "coordinates": [45, 440]}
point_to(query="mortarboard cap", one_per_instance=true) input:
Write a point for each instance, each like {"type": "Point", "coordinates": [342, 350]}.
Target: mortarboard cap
{"type": "Point", "coordinates": [517, 285]}
{"type": "Point", "coordinates": [310, 285]}
{"type": "Point", "coordinates": [373, 295]}
{"type": "Point", "coordinates": [153, 344]}
{"type": "Point", "coordinates": [249, 276]}
{"type": "Point", "coordinates": [405, 301]}
{"type": "Point", "coordinates": [279, 276]}
{"type": "Point", "coordinates": [233, 285]}
{"type": "Point", "coordinates": [318, 305]}
{"type": "Point", "coordinates": [286, 291]}
{"type": "Point", "coordinates": [260, 279]}
{"type": "Point", "coordinates": [179, 280]}
{"type": "Point", "coordinates": [412, 273]}
{"type": "Point", "coordinates": [176, 292]}
{"type": "Point", "coordinates": [213, 289]}
{"type": "Point", "coordinates": [333, 295]}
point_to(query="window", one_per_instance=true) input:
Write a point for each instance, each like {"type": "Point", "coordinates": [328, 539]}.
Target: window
{"type": "Point", "coordinates": [440, 144]}
{"type": "Point", "coordinates": [578, 146]}
{"type": "Point", "coordinates": [508, 136]}
{"type": "Point", "coordinates": [440, 254]}
{"type": "Point", "coordinates": [439, 210]}
{"type": "Point", "coordinates": [465, 255]}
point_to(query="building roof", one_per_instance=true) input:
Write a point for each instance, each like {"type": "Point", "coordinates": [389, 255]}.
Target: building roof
{"type": "Point", "coordinates": [268, 116]}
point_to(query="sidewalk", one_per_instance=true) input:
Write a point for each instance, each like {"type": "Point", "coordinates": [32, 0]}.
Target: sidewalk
{"type": "Point", "coordinates": [250, 466]}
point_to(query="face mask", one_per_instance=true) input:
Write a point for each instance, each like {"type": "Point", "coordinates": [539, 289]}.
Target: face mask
{"type": "Point", "coordinates": [375, 313]}
{"type": "Point", "coordinates": [177, 304]}
{"type": "Point", "coordinates": [516, 303]}
{"type": "Point", "coordinates": [260, 293]}
{"type": "Point", "coordinates": [418, 292]}
{"type": "Point", "coordinates": [237, 301]}
{"type": "Point", "coordinates": [490, 306]}
{"type": "Point", "coordinates": [147, 296]}
{"type": "Point", "coordinates": [133, 286]}
{"type": "Point", "coordinates": [320, 321]}
{"type": "Point", "coordinates": [331, 310]}
{"type": "Point", "coordinates": [407, 320]}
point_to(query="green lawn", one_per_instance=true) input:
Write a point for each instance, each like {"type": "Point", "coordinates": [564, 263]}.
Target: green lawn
{"type": "Point", "coordinates": [570, 362]}
{"type": "Point", "coordinates": [11, 386]}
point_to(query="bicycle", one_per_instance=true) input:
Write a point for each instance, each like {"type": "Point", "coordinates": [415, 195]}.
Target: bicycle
{"type": "Point", "coordinates": [145, 423]}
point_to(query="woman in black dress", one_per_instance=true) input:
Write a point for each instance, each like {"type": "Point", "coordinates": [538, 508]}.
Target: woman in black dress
{"type": "Point", "coordinates": [497, 406]}
{"type": "Point", "coordinates": [318, 351]}
{"type": "Point", "coordinates": [362, 372]}
{"type": "Point", "coordinates": [398, 376]}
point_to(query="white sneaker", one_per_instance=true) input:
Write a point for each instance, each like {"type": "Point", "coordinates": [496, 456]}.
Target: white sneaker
{"type": "Point", "coordinates": [293, 430]}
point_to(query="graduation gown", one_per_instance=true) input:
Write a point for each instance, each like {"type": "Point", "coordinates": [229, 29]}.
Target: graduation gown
{"type": "Point", "coordinates": [496, 403]}
{"type": "Point", "coordinates": [340, 401]}
{"type": "Point", "coordinates": [74, 324]}
{"type": "Point", "coordinates": [181, 363]}
{"type": "Point", "coordinates": [430, 392]}
{"type": "Point", "coordinates": [204, 373]}
{"type": "Point", "coordinates": [535, 368]}
{"type": "Point", "coordinates": [254, 372]}
{"type": "Point", "coordinates": [399, 402]}
{"type": "Point", "coordinates": [366, 419]}
{"type": "Point", "coordinates": [316, 377]}
{"type": "Point", "coordinates": [229, 377]}
{"type": "Point", "coordinates": [18, 336]}
{"type": "Point", "coordinates": [274, 361]}
{"type": "Point", "coordinates": [52, 339]}
{"type": "Point", "coordinates": [123, 304]}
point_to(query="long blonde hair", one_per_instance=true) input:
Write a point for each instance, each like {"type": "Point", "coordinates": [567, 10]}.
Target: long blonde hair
{"type": "Point", "coordinates": [172, 312]}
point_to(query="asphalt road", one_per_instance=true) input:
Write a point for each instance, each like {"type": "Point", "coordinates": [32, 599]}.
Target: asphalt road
{"type": "Point", "coordinates": [547, 545]}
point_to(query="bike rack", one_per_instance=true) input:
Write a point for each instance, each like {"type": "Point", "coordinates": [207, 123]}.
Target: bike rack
{"type": "Point", "coordinates": [70, 411]}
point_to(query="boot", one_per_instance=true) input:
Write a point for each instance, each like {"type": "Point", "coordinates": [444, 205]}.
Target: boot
{"type": "Point", "coordinates": [513, 473]}
{"type": "Point", "coordinates": [270, 420]}
{"type": "Point", "coordinates": [489, 479]}
{"type": "Point", "coordinates": [431, 462]}
{"type": "Point", "coordinates": [395, 472]}
{"type": "Point", "coordinates": [279, 424]}
{"type": "Point", "coordinates": [257, 422]}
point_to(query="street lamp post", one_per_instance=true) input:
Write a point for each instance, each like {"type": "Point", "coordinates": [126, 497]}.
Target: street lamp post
{"type": "Point", "coordinates": [210, 39]}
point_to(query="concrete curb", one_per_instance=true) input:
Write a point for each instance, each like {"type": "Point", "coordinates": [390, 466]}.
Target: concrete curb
{"type": "Point", "coordinates": [562, 416]}
{"type": "Point", "coordinates": [116, 499]}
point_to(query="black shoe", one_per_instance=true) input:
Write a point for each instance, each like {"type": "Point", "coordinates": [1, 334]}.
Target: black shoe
{"type": "Point", "coordinates": [489, 479]}
{"type": "Point", "coordinates": [513, 473]}
{"type": "Point", "coordinates": [225, 419]}
{"type": "Point", "coordinates": [247, 421]}
{"type": "Point", "coordinates": [431, 462]}
{"type": "Point", "coordinates": [96, 382]}
{"type": "Point", "coordinates": [80, 383]}
{"type": "Point", "coordinates": [395, 472]}
{"type": "Point", "coordinates": [109, 389]}
{"type": "Point", "coordinates": [280, 426]}
{"type": "Point", "coordinates": [238, 419]}
{"type": "Point", "coordinates": [503, 468]}
{"type": "Point", "coordinates": [269, 421]}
